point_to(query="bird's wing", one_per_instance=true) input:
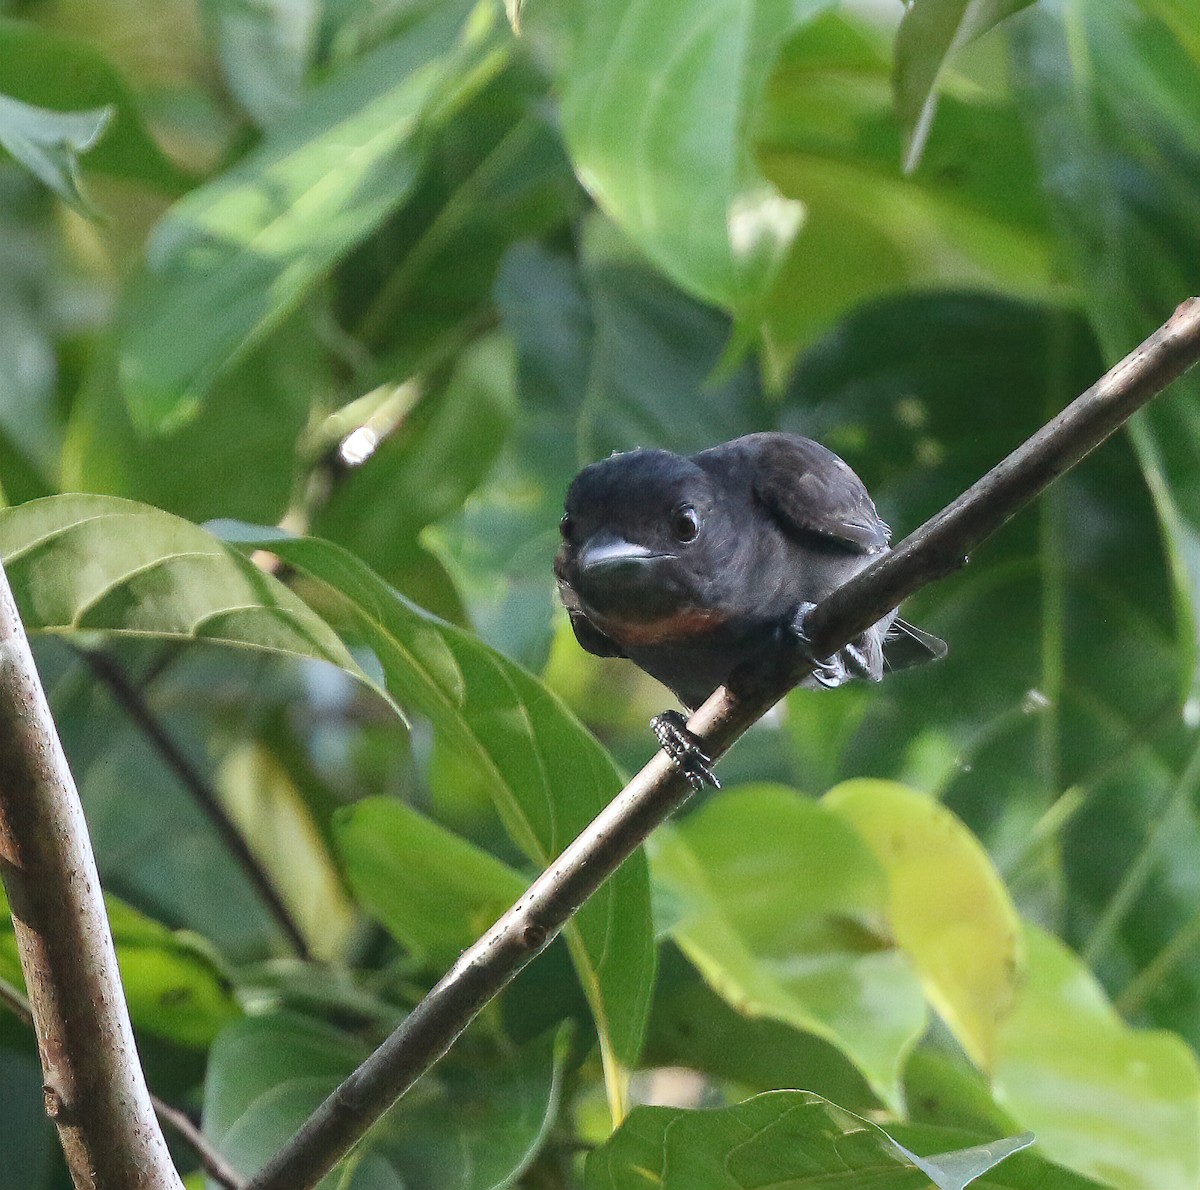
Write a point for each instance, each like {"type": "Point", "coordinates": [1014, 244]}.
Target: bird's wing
{"type": "Point", "coordinates": [809, 490]}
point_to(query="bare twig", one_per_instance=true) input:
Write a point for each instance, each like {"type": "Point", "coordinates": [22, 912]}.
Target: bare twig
{"type": "Point", "coordinates": [214, 1164]}
{"type": "Point", "coordinates": [130, 699]}
{"type": "Point", "coordinates": [95, 1091]}
{"type": "Point", "coordinates": [934, 550]}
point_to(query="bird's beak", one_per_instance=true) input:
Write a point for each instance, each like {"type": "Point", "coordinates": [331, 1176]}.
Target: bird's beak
{"type": "Point", "coordinates": [606, 552]}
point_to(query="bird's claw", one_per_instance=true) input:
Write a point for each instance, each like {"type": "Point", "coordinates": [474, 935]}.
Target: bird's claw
{"type": "Point", "coordinates": [683, 747]}
{"type": "Point", "coordinates": [849, 662]}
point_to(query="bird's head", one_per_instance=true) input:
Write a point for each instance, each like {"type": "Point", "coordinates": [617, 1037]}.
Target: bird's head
{"type": "Point", "coordinates": [638, 535]}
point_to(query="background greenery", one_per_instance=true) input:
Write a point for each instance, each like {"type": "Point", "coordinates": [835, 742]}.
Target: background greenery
{"type": "Point", "coordinates": [385, 273]}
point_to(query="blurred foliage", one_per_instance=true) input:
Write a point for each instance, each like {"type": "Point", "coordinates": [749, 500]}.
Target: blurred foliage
{"type": "Point", "coordinates": [309, 311]}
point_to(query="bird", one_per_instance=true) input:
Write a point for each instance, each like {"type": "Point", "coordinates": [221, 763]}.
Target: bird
{"type": "Point", "coordinates": [702, 568]}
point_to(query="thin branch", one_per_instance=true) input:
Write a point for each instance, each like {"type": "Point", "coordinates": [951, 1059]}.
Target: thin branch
{"type": "Point", "coordinates": [213, 1163]}
{"type": "Point", "coordinates": [94, 1087]}
{"type": "Point", "coordinates": [129, 698]}
{"type": "Point", "coordinates": [937, 548]}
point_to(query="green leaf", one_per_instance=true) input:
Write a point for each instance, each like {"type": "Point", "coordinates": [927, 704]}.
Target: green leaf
{"type": "Point", "coordinates": [46, 69]}
{"type": "Point", "coordinates": [495, 174]}
{"type": "Point", "coordinates": [776, 901]}
{"type": "Point", "coordinates": [173, 985]}
{"type": "Point", "coordinates": [547, 776]}
{"type": "Point", "coordinates": [1113, 1102]}
{"type": "Point", "coordinates": [793, 1139]}
{"type": "Point", "coordinates": [236, 458]}
{"type": "Point", "coordinates": [91, 562]}
{"type": "Point", "coordinates": [49, 143]}
{"type": "Point", "coordinates": [433, 891]}
{"type": "Point", "coordinates": [692, 1026]}
{"type": "Point", "coordinates": [948, 909]}
{"type": "Point", "coordinates": [461, 1132]}
{"type": "Point", "coordinates": [674, 170]}
{"type": "Point", "coordinates": [95, 563]}
{"type": "Point", "coordinates": [237, 255]}
{"type": "Point", "coordinates": [265, 49]}
{"type": "Point", "coordinates": [828, 137]}
{"type": "Point", "coordinates": [930, 33]}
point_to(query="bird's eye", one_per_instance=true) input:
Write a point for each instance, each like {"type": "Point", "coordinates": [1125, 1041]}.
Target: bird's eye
{"type": "Point", "coordinates": [565, 526]}
{"type": "Point", "coordinates": [685, 524]}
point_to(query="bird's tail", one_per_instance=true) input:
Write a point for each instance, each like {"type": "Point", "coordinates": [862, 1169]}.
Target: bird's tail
{"type": "Point", "coordinates": [905, 645]}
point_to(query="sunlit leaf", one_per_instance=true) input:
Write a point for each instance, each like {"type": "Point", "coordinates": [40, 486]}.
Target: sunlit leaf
{"type": "Point", "coordinates": [233, 258]}
{"type": "Point", "coordinates": [1113, 1102]}
{"type": "Point", "coordinates": [674, 170]}
{"type": "Point", "coordinates": [947, 908]}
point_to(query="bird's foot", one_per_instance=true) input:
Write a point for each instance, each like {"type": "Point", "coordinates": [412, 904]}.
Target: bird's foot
{"type": "Point", "coordinates": [849, 662]}
{"type": "Point", "coordinates": [683, 747]}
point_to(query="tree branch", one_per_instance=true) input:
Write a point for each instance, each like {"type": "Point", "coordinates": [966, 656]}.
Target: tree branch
{"type": "Point", "coordinates": [934, 550]}
{"type": "Point", "coordinates": [94, 1087]}
{"type": "Point", "coordinates": [131, 701]}
{"type": "Point", "coordinates": [214, 1164]}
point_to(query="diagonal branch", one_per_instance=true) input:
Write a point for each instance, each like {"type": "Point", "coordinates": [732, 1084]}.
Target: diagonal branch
{"type": "Point", "coordinates": [934, 550]}
{"type": "Point", "coordinates": [94, 1087]}
{"type": "Point", "coordinates": [131, 700]}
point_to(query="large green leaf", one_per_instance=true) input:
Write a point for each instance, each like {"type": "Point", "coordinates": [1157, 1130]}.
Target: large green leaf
{"type": "Point", "coordinates": [547, 776]}
{"type": "Point", "coordinates": [1118, 1104]}
{"type": "Point", "coordinates": [657, 100]}
{"type": "Point", "coordinates": [476, 1132]}
{"type": "Point", "coordinates": [779, 904]}
{"type": "Point", "coordinates": [930, 32]}
{"type": "Point", "coordinates": [49, 70]}
{"type": "Point", "coordinates": [265, 51]}
{"type": "Point", "coordinates": [80, 563]}
{"type": "Point", "coordinates": [828, 137]}
{"type": "Point", "coordinates": [797, 1140]}
{"type": "Point", "coordinates": [237, 255]}
{"type": "Point", "coordinates": [91, 562]}
{"type": "Point", "coordinates": [434, 891]}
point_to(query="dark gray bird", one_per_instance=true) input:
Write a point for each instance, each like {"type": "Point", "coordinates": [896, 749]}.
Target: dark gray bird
{"type": "Point", "coordinates": [698, 568]}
